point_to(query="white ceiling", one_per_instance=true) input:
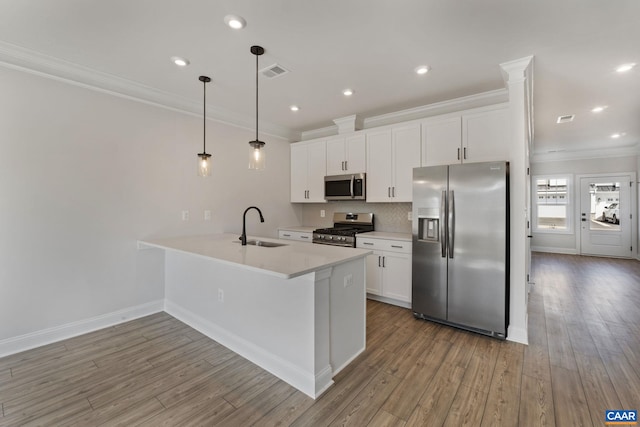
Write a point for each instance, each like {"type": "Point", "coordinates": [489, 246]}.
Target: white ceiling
{"type": "Point", "coordinates": [371, 46]}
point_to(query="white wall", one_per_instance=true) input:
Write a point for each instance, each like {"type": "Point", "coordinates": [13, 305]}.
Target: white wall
{"type": "Point", "coordinates": [84, 174]}
{"type": "Point", "coordinates": [568, 243]}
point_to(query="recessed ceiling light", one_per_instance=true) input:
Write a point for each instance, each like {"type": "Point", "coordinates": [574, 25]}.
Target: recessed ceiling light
{"type": "Point", "coordinates": [625, 67]}
{"type": "Point", "coordinates": [617, 135]}
{"type": "Point", "coordinates": [423, 69]}
{"type": "Point", "coordinates": [294, 108]}
{"type": "Point", "coordinates": [598, 109]}
{"type": "Point", "coordinates": [179, 61]}
{"type": "Point", "coordinates": [347, 92]}
{"type": "Point", "coordinates": [234, 21]}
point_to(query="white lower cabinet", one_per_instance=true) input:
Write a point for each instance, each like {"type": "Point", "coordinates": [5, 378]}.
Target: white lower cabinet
{"type": "Point", "coordinates": [300, 236]}
{"type": "Point", "coordinates": [388, 270]}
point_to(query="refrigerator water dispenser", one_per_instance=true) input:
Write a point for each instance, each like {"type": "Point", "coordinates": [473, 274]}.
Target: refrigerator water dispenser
{"type": "Point", "coordinates": [429, 229]}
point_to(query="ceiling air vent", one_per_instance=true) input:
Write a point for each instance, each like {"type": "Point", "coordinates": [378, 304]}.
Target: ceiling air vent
{"type": "Point", "coordinates": [566, 119]}
{"type": "Point", "coordinates": [273, 71]}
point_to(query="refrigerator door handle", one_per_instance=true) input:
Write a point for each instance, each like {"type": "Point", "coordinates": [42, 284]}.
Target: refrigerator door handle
{"type": "Point", "coordinates": [443, 236]}
{"type": "Point", "coordinates": [451, 223]}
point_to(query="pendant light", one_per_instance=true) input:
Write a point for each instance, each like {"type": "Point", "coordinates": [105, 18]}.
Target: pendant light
{"type": "Point", "coordinates": [257, 157]}
{"type": "Point", "coordinates": [204, 159]}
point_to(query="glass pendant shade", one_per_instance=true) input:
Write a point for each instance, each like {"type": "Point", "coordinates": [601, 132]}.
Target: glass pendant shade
{"type": "Point", "coordinates": [257, 155]}
{"type": "Point", "coordinates": [204, 164]}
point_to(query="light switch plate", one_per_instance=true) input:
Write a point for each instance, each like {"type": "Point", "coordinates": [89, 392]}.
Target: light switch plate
{"type": "Point", "coordinates": [207, 215]}
{"type": "Point", "coordinates": [322, 213]}
{"type": "Point", "coordinates": [185, 215]}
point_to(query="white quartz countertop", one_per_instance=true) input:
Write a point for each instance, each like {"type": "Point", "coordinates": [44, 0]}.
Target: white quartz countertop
{"type": "Point", "coordinates": [292, 260]}
{"type": "Point", "coordinates": [387, 236]}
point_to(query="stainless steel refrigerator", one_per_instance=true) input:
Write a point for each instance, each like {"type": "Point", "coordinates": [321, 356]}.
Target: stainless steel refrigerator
{"type": "Point", "coordinates": [461, 246]}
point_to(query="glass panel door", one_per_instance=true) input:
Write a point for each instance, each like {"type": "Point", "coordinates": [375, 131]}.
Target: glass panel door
{"type": "Point", "coordinates": [605, 216]}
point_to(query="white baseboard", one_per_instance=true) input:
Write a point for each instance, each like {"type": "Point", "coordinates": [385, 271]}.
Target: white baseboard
{"type": "Point", "coordinates": [58, 333]}
{"type": "Point", "coordinates": [518, 335]}
{"type": "Point", "coordinates": [388, 300]}
{"type": "Point", "coordinates": [308, 383]}
{"type": "Point", "coordinates": [553, 250]}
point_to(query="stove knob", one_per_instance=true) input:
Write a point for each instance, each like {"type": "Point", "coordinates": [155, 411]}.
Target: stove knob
{"type": "Point", "coordinates": [330, 237]}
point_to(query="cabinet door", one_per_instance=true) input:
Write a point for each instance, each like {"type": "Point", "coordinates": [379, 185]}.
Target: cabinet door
{"type": "Point", "coordinates": [298, 173]}
{"type": "Point", "coordinates": [316, 171]}
{"type": "Point", "coordinates": [484, 136]}
{"type": "Point", "coordinates": [406, 156]}
{"type": "Point", "coordinates": [379, 166]}
{"type": "Point", "coordinates": [336, 156]}
{"type": "Point", "coordinates": [442, 142]}
{"type": "Point", "coordinates": [396, 276]}
{"type": "Point", "coordinates": [374, 273]}
{"type": "Point", "coordinates": [356, 154]}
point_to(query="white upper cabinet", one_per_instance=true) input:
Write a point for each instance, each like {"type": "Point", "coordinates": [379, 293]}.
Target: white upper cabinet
{"type": "Point", "coordinates": [392, 153]}
{"type": "Point", "coordinates": [484, 136]}
{"type": "Point", "coordinates": [472, 136]}
{"type": "Point", "coordinates": [346, 154]}
{"type": "Point", "coordinates": [308, 168]}
{"type": "Point", "coordinates": [441, 141]}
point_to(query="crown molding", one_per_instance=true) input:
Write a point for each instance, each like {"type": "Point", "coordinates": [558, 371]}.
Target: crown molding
{"type": "Point", "coordinates": [464, 103]}
{"type": "Point", "coordinates": [22, 59]}
{"type": "Point", "coordinates": [319, 133]}
{"type": "Point", "coordinates": [599, 153]}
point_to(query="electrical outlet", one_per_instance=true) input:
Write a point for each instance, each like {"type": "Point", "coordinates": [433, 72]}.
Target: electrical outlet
{"type": "Point", "coordinates": [322, 213]}
{"type": "Point", "coordinates": [207, 215]}
{"type": "Point", "coordinates": [410, 215]}
{"type": "Point", "coordinates": [185, 215]}
{"type": "Point", "coordinates": [220, 295]}
{"type": "Point", "coordinates": [348, 280]}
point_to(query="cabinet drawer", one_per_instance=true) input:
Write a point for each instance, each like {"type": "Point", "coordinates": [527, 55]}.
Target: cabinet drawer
{"type": "Point", "coordinates": [295, 235]}
{"type": "Point", "coordinates": [384, 245]}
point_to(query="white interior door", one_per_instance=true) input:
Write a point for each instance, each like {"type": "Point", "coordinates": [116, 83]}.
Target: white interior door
{"type": "Point", "coordinates": [605, 216]}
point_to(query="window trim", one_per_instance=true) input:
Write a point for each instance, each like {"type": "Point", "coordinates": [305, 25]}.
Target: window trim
{"type": "Point", "coordinates": [569, 204]}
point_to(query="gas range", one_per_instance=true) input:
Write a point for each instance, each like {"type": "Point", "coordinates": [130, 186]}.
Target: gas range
{"type": "Point", "coordinates": [344, 230]}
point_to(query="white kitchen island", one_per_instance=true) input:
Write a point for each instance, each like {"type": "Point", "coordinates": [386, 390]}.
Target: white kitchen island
{"type": "Point", "coordinates": [296, 310]}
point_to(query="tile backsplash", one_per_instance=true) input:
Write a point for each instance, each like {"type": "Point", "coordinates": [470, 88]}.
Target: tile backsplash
{"type": "Point", "coordinates": [389, 217]}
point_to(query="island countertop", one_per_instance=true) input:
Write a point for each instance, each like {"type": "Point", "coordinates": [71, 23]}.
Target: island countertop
{"type": "Point", "coordinates": [293, 259]}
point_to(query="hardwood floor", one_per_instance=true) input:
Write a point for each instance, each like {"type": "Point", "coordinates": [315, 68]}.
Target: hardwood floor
{"type": "Point", "coordinates": [583, 358]}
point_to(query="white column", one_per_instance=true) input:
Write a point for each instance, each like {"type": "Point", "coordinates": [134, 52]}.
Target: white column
{"type": "Point", "coordinates": [518, 76]}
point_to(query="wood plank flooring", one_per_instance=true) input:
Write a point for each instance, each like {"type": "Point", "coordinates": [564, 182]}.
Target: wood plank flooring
{"type": "Point", "coordinates": [583, 358]}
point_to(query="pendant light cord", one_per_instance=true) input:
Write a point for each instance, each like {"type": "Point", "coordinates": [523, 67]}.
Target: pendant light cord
{"type": "Point", "coordinates": [204, 118]}
{"type": "Point", "coordinates": [257, 98]}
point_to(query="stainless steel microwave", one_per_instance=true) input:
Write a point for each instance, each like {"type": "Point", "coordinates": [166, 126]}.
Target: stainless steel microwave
{"type": "Point", "coordinates": [345, 187]}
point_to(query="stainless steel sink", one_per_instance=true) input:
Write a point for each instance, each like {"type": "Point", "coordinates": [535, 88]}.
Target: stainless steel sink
{"type": "Point", "coordinates": [264, 244]}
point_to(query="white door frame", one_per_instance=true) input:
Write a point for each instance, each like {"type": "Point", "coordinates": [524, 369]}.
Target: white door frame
{"type": "Point", "coordinates": [632, 209]}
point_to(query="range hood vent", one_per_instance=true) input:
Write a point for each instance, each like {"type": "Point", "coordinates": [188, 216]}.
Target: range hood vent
{"type": "Point", "coordinates": [566, 119]}
{"type": "Point", "coordinates": [273, 71]}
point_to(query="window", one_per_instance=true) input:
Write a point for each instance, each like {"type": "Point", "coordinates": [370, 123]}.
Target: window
{"type": "Point", "coordinates": [552, 204]}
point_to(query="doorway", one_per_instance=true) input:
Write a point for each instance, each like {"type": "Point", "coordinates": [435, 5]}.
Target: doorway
{"type": "Point", "coordinates": [606, 228]}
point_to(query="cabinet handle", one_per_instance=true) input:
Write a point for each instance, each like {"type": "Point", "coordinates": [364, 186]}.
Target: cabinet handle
{"type": "Point", "coordinates": [393, 191]}
{"type": "Point", "coordinates": [342, 165]}
{"type": "Point", "coordinates": [383, 266]}
{"type": "Point", "coordinates": [346, 165]}
{"type": "Point", "coordinates": [367, 243]}
{"type": "Point", "coordinates": [397, 246]}
{"type": "Point", "coordinates": [458, 154]}
{"type": "Point", "coordinates": [286, 235]}
{"type": "Point", "coordinates": [465, 153]}
{"type": "Point", "coordinates": [379, 258]}
{"type": "Point", "coordinates": [304, 237]}
{"type": "Point", "coordinates": [388, 191]}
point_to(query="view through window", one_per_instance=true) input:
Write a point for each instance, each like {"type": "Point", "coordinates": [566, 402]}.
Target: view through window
{"type": "Point", "coordinates": [552, 204]}
{"type": "Point", "coordinates": [605, 206]}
